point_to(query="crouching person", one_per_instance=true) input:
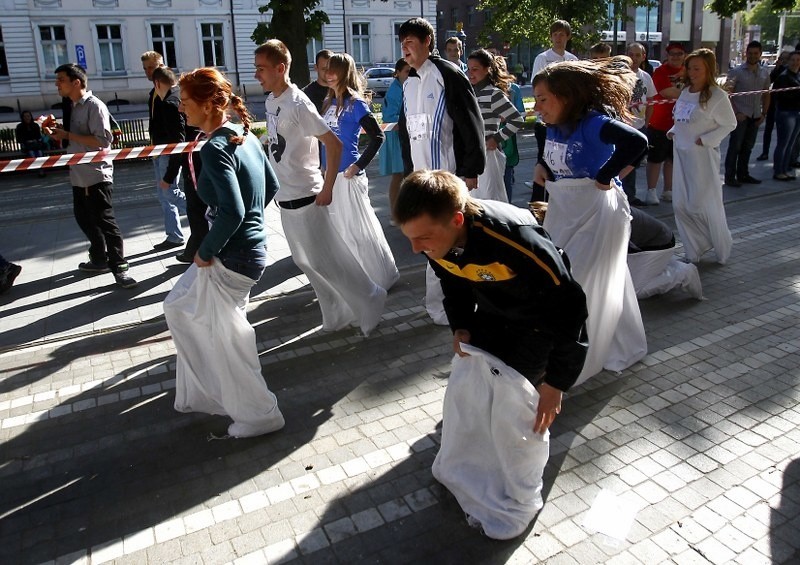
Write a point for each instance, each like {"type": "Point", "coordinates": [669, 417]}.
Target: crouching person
{"type": "Point", "coordinates": [518, 320]}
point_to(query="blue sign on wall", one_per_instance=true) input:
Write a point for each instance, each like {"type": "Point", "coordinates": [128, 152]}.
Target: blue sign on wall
{"type": "Point", "coordinates": [80, 55]}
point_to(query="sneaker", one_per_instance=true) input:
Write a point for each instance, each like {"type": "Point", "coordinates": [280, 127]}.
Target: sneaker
{"type": "Point", "coordinates": [240, 429]}
{"type": "Point", "coordinates": [652, 198]}
{"type": "Point", "coordinates": [91, 267]}
{"type": "Point", "coordinates": [167, 244]}
{"type": "Point", "coordinates": [185, 257]}
{"type": "Point", "coordinates": [124, 280]}
{"type": "Point", "coordinates": [747, 179]}
{"type": "Point", "coordinates": [666, 196]}
{"type": "Point", "coordinates": [7, 275]}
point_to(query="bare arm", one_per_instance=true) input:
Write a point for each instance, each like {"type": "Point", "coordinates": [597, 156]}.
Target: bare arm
{"type": "Point", "coordinates": [333, 155]}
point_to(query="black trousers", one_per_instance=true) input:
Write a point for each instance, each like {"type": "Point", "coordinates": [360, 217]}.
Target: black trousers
{"type": "Point", "coordinates": [94, 213]}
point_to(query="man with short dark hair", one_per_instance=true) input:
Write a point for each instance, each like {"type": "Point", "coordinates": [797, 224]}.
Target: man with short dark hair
{"type": "Point", "coordinates": [454, 50]}
{"type": "Point", "coordinates": [508, 289]}
{"type": "Point", "coordinates": [92, 183]}
{"type": "Point", "coordinates": [750, 110]}
{"type": "Point", "coordinates": [317, 90]}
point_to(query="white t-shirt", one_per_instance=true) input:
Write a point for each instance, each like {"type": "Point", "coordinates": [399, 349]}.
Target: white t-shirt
{"type": "Point", "coordinates": [293, 126]}
{"type": "Point", "coordinates": [430, 128]}
{"type": "Point", "coordinates": [643, 91]}
{"type": "Point", "coordinates": [547, 58]}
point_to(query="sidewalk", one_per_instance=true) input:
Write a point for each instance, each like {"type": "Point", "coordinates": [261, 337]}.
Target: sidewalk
{"type": "Point", "coordinates": [697, 445]}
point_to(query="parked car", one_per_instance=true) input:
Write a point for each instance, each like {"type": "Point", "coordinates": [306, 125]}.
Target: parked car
{"type": "Point", "coordinates": [654, 63]}
{"type": "Point", "coordinates": [379, 79]}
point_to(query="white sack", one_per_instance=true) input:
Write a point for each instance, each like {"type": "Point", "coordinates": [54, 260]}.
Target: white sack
{"type": "Point", "coordinates": [593, 227]}
{"type": "Point", "coordinates": [434, 297]}
{"type": "Point", "coordinates": [490, 459]}
{"type": "Point", "coordinates": [218, 369]}
{"type": "Point", "coordinates": [355, 220]}
{"type": "Point", "coordinates": [658, 272]}
{"type": "Point", "coordinates": [491, 185]}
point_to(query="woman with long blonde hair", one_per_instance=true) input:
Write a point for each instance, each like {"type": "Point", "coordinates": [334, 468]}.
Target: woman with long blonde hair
{"type": "Point", "coordinates": [346, 112]}
{"type": "Point", "coordinates": [703, 117]}
{"type": "Point", "coordinates": [218, 369]}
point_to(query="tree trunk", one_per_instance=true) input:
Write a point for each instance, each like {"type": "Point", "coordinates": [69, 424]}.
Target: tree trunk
{"type": "Point", "coordinates": [289, 27]}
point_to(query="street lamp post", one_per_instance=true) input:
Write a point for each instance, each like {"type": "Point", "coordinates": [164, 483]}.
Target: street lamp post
{"type": "Point", "coordinates": [463, 38]}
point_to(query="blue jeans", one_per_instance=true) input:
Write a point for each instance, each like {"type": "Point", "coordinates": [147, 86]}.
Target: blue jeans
{"type": "Point", "coordinates": [172, 199]}
{"type": "Point", "coordinates": [248, 262]}
{"type": "Point", "coordinates": [788, 125]}
{"type": "Point", "coordinates": [740, 146]}
{"type": "Point", "coordinates": [508, 180]}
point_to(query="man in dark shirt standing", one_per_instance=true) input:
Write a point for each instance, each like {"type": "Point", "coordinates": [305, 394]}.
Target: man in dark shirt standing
{"type": "Point", "coordinates": [507, 289]}
{"type": "Point", "coordinates": [164, 126]}
{"type": "Point", "coordinates": [318, 89]}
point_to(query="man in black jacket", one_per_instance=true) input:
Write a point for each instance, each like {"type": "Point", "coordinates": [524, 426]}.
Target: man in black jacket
{"type": "Point", "coordinates": [440, 125]}
{"type": "Point", "coordinates": [166, 126]}
{"type": "Point", "coordinates": [508, 289]}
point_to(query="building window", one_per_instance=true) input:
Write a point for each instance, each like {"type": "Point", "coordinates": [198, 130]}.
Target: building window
{"type": "Point", "coordinates": [213, 45]}
{"type": "Point", "coordinates": [471, 15]}
{"type": "Point", "coordinates": [3, 63]}
{"type": "Point", "coordinates": [109, 39]}
{"type": "Point", "coordinates": [313, 47]}
{"type": "Point", "coordinates": [396, 51]}
{"type": "Point", "coordinates": [453, 17]}
{"type": "Point", "coordinates": [361, 43]}
{"type": "Point", "coordinates": [164, 43]}
{"type": "Point", "coordinates": [678, 12]}
{"type": "Point", "coordinates": [54, 47]}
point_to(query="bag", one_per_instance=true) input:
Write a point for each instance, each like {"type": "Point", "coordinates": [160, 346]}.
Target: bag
{"type": "Point", "coordinates": [511, 151]}
{"type": "Point", "coordinates": [490, 459]}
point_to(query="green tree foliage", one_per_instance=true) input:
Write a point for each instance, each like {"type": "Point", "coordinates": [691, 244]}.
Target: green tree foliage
{"type": "Point", "coordinates": [766, 16]}
{"type": "Point", "coordinates": [727, 8]}
{"type": "Point", "coordinates": [294, 22]}
{"type": "Point", "coordinates": [517, 20]}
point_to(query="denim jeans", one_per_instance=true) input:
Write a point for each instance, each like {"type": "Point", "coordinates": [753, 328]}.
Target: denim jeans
{"type": "Point", "coordinates": [172, 199]}
{"type": "Point", "coordinates": [740, 146]}
{"type": "Point", "coordinates": [248, 262]}
{"type": "Point", "coordinates": [508, 180]}
{"type": "Point", "coordinates": [788, 125]}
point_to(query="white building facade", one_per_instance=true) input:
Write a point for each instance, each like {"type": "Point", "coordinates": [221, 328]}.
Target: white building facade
{"type": "Point", "coordinates": [108, 37]}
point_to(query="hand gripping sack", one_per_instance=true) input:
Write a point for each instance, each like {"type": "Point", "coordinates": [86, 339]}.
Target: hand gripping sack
{"type": "Point", "coordinates": [490, 459]}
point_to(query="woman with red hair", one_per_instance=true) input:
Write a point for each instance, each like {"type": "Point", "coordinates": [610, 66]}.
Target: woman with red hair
{"type": "Point", "coordinates": [218, 370]}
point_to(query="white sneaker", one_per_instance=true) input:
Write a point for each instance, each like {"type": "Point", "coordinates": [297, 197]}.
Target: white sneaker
{"type": "Point", "coordinates": [652, 198]}
{"type": "Point", "coordinates": [666, 196]}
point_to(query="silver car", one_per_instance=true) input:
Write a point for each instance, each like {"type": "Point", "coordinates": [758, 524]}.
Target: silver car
{"type": "Point", "coordinates": [379, 79]}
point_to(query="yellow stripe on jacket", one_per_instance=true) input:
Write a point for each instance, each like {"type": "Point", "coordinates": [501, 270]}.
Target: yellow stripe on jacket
{"type": "Point", "coordinates": [492, 272]}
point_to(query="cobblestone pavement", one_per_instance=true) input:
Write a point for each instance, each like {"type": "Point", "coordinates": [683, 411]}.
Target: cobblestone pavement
{"type": "Point", "coordinates": [690, 456]}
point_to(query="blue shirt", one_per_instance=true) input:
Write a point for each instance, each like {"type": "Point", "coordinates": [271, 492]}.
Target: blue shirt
{"type": "Point", "coordinates": [580, 154]}
{"type": "Point", "coordinates": [392, 103]}
{"type": "Point", "coordinates": [346, 126]}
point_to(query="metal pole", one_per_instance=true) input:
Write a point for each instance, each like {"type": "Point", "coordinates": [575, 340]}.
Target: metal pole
{"type": "Point", "coordinates": [421, 8]}
{"type": "Point", "coordinates": [781, 29]}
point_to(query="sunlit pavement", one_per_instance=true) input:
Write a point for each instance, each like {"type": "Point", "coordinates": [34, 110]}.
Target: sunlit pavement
{"type": "Point", "coordinates": [690, 456]}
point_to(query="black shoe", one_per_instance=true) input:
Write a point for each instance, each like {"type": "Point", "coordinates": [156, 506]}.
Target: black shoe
{"type": "Point", "coordinates": [762, 157]}
{"type": "Point", "coordinates": [167, 244]}
{"type": "Point", "coordinates": [636, 202]}
{"type": "Point", "coordinates": [795, 164]}
{"type": "Point", "coordinates": [185, 257]}
{"type": "Point", "coordinates": [7, 275]}
{"type": "Point", "coordinates": [733, 183]}
{"type": "Point", "coordinates": [90, 267]}
{"type": "Point", "coordinates": [125, 280]}
{"type": "Point", "coordinates": [749, 180]}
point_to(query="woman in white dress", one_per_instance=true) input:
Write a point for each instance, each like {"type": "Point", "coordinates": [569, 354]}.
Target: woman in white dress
{"type": "Point", "coordinates": [703, 118]}
{"type": "Point", "coordinates": [347, 113]}
{"type": "Point", "coordinates": [588, 214]}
